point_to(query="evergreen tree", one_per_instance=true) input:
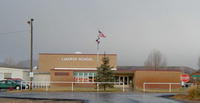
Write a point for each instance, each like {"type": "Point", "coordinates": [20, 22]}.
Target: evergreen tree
{"type": "Point", "coordinates": [104, 73]}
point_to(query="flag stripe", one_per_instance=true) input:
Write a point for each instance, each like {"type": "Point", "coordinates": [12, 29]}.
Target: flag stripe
{"type": "Point", "coordinates": [101, 34]}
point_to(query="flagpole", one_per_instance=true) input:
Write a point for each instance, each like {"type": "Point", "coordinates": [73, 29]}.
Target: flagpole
{"type": "Point", "coordinates": [100, 35]}
{"type": "Point", "coordinates": [98, 50]}
{"type": "Point", "coordinates": [97, 54]}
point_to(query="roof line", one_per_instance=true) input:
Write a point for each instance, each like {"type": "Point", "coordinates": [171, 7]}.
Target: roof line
{"type": "Point", "coordinates": [70, 54]}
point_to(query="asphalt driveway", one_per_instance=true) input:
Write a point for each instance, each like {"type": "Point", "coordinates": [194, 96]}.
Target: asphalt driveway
{"type": "Point", "coordinates": [93, 97]}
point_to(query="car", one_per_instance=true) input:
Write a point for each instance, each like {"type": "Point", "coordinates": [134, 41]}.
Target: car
{"type": "Point", "coordinates": [14, 79]}
{"type": "Point", "coordinates": [10, 84]}
{"type": "Point", "coordinates": [20, 82]}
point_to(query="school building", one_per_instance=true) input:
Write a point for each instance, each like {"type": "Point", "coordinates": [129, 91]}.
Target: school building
{"type": "Point", "coordinates": [82, 68]}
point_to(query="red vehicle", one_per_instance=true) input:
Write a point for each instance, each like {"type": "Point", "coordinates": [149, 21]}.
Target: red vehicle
{"type": "Point", "coordinates": [14, 79]}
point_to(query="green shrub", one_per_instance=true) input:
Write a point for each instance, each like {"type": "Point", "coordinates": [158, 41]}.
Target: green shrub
{"type": "Point", "coordinates": [194, 92]}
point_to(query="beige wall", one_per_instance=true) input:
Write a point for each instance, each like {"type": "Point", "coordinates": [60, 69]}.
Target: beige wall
{"type": "Point", "coordinates": [51, 61]}
{"type": "Point", "coordinates": [41, 77]}
{"type": "Point", "coordinates": [15, 73]}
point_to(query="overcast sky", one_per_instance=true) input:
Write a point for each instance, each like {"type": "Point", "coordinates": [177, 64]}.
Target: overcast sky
{"type": "Point", "coordinates": [133, 28]}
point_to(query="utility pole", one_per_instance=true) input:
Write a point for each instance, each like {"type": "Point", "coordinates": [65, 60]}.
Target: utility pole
{"type": "Point", "coordinates": [30, 22]}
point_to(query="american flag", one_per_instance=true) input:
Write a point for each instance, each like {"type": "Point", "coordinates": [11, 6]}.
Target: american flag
{"type": "Point", "coordinates": [101, 35]}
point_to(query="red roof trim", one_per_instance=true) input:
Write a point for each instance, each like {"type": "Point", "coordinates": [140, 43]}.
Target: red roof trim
{"type": "Point", "coordinates": [70, 54]}
{"type": "Point", "coordinates": [161, 70]}
{"type": "Point", "coordinates": [70, 70]}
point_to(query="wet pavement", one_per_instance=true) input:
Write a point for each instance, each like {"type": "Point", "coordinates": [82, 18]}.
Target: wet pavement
{"type": "Point", "coordinates": [93, 97]}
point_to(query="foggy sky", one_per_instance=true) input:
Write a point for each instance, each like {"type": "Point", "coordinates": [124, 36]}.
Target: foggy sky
{"type": "Point", "coordinates": [133, 28]}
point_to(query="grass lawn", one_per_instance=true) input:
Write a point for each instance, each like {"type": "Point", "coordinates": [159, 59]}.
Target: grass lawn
{"type": "Point", "coordinates": [192, 95]}
{"type": "Point", "coordinates": [186, 98]}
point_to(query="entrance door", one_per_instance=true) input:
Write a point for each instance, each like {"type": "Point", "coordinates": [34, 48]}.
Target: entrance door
{"type": "Point", "coordinates": [125, 80]}
{"type": "Point", "coordinates": [121, 80]}
{"type": "Point", "coordinates": [130, 81]}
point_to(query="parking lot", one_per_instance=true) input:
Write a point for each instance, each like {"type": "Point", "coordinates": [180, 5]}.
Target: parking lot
{"type": "Point", "coordinates": [93, 97]}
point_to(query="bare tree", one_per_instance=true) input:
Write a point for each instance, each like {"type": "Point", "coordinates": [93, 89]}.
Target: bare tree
{"type": "Point", "coordinates": [8, 62]}
{"type": "Point", "coordinates": [155, 59]}
{"type": "Point", "coordinates": [198, 63]}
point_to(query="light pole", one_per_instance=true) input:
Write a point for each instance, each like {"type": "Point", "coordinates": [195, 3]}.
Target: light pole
{"type": "Point", "coordinates": [30, 22]}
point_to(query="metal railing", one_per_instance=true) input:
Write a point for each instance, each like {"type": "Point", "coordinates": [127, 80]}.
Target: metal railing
{"type": "Point", "coordinates": [170, 85]}
{"type": "Point", "coordinates": [47, 84]}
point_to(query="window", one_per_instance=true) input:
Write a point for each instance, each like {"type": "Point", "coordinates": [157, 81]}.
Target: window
{"type": "Point", "coordinates": [80, 74]}
{"type": "Point", "coordinates": [116, 78]}
{"type": "Point", "coordinates": [84, 76]}
{"type": "Point", "coordinates": [3, 81]}
{"type": "Point", "coordinates": [7, 75]}
{"type": "Point", "coordinates": [90, 79]}
{"type": "Point", "coordinates": [61, 73]}
{"type": "Point", "coordinates": [90, 74]}
{"type": "Point", "coordinates": [9, 82]}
